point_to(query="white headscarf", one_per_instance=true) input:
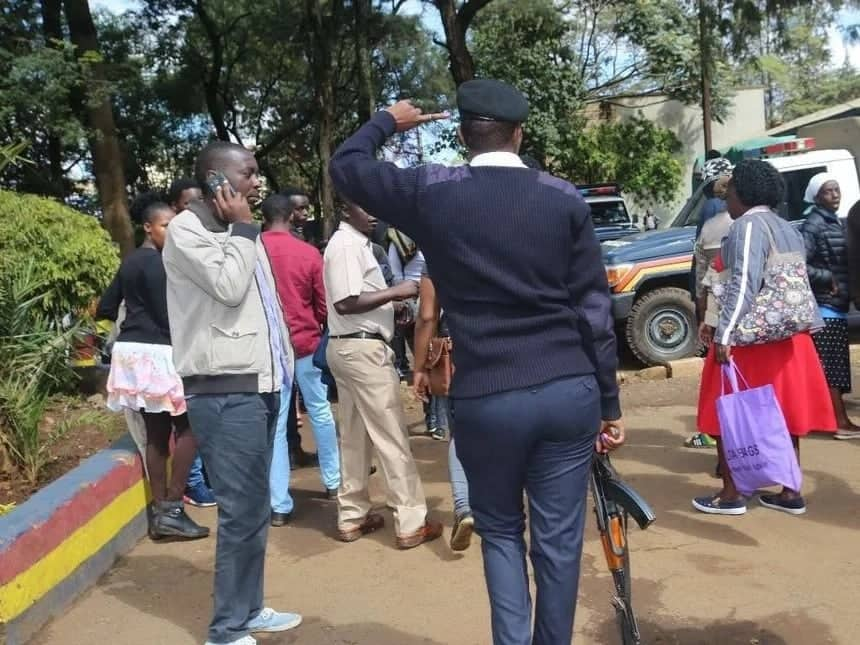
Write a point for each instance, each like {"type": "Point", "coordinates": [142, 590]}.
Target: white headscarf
{"type": "Point", "coordinates": [815, 185]}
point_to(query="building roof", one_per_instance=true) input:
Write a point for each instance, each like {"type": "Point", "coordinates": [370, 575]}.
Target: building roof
{"type": "Point", "coordinates": [850, 108]}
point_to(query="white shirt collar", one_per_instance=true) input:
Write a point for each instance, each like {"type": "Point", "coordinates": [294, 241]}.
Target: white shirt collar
{"type": "Point", "coordinates": [346, 227]}
{"type": "Point", "coordinates": [503, 159]}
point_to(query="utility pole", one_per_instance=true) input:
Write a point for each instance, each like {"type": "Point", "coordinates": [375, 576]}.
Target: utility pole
{"type": "Point", "coordinates": [705, 65]}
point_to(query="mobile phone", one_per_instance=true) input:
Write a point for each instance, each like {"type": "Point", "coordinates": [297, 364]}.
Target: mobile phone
{"type": "Point", "coordinates": [216, 180]}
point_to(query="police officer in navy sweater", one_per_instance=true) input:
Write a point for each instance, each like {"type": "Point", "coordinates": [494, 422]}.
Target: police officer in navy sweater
{"type": "Point", "coordinates": [519, 274]}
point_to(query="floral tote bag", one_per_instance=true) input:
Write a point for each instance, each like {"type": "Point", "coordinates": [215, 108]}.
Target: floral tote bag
{"type": "Point", "coordinates": [784, 305]}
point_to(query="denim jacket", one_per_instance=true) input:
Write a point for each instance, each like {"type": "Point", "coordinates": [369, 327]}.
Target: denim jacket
{"type": "Point", "coordinates": [745, 253]}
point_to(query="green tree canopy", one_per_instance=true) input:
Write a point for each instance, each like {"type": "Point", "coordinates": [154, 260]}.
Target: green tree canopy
{"type": "Point", "coordinates": [533, 44]}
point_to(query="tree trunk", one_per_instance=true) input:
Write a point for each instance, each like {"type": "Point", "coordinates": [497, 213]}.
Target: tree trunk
{"type": "Point", "coordinates": [320, 57]}
{"type": "Point", "coordinates": [52, 27]}
{"type": "Point", "coordinates": [705, 62]}
{"type": "Point", "coordinates": [362, 57]}
{"type": "Point", "coordinates": [456, 23]}
{"type": "Point", "coordinates": [461, 64]}
{"type": "Point", "coordinates": [104, 143]}
{"type": "Point", "coordinates": [212, 79]}
{"type": "Point", "coordinates": [325, 151]}
{"type": "Point", "coordinates": [272, 183]}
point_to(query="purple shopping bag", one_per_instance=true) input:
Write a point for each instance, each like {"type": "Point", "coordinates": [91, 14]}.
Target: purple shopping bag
{"type": "Point", "coordinates": [755, 436]}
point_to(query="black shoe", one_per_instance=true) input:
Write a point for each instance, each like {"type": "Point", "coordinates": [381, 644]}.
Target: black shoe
{"type": "Point", "coordinates": [301, 459]}
{"type": "Point", "coordinates": [373, 470]}
{"type": "Point", "coordinates": [794, 506]}
{"type": "Point", "coordinates": [170, 520]}
{"type": "Point", "coordinates": [280, 519]}
{"type": "Point", "coordinates": [331, 493]}
{"type": "Point", "coordinates": [461, 534]}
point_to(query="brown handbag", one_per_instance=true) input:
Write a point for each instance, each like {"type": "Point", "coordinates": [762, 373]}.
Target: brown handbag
{"type": "Point", "coordinates": [440, 366]}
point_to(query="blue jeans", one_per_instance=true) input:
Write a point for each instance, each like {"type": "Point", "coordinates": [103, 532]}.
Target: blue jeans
{"type": "Point", "coordinates": [315, 395]}
{"type": "Point", "coordinates": [459, 484]}
{"type": "Point", "coordinates": [195, 475]}
{"type": "Point", "coordinates": [438, 413]}
{"type": "Point", "coordinates": [234, 436]}
{"type": "Point", "coordinates": [540, 439]}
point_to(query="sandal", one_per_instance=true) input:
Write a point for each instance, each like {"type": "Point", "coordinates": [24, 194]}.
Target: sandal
{"type": "Point", "coordinates": [700, 440]}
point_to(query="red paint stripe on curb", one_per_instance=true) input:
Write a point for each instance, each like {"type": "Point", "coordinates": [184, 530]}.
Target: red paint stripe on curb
{"type": "Point", "coordinates": [34, 544]}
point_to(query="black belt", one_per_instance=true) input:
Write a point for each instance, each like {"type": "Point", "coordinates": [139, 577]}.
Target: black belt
{"type": "Point", "coordinates": [360, 335]}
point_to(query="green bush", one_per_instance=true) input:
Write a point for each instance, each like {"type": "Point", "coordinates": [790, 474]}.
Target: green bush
{"type": "Point", "coordinates": [34, 362]}
{"type": "Point", "coordinates": [72, 256]}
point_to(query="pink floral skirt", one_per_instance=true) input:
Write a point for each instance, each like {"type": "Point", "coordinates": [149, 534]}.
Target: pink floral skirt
{"type": "Point", "coordinates": [142, 377]}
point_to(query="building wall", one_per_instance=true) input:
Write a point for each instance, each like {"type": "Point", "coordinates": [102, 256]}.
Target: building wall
{"type": "Point", "coordinates": [745, 121]}
{"type": "Point", "coordinates": [837, 134]}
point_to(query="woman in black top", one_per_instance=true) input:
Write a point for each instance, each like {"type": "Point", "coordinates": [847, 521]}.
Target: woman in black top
{"type": "Point", "coordinates": [142, 375]}
{"type": "Point", "coordinates": [827, 266]}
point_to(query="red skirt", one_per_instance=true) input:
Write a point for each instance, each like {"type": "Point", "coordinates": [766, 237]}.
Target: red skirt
{"type": "Point", "coordinates": [792, 366]}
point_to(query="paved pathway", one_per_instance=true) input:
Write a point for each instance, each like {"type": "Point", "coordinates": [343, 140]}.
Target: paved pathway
{"type": "Point", "coordinates": [765, 578]}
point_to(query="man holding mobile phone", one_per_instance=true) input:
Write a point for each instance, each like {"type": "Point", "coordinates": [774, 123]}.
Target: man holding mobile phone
{"type": "Point", "coordinates": [232, 349]}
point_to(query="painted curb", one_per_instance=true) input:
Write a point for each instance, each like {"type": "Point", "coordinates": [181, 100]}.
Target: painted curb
{"type": "Point", "coordinates": [58, 543]}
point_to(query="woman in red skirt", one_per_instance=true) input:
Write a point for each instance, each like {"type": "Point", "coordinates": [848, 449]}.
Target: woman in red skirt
{"type": "Point", "coordinates": [767, 312]}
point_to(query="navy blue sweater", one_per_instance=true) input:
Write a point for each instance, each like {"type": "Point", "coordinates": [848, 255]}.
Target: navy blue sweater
{"type": "Point", "coordinates": [514, 259]}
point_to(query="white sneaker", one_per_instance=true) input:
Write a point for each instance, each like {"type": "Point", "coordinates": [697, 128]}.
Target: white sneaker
{"type": "Point", "coordinates": [245, 640]}
{"type": "Point", "coordinates": [270, 620]}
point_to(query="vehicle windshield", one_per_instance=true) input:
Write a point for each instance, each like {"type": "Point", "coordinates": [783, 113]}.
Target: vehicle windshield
{"type": "Point", "coordinates": [609, 213]}
{"type": "Point", "coordinates": [689, 215]}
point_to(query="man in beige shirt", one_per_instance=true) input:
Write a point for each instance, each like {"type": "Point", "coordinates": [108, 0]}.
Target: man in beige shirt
{"type": "Point", "coordinates": [361, 324]}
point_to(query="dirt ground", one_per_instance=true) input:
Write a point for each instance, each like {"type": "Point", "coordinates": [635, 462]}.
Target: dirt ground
{"type": "Point", "coordinates": [91, 428]}
{"type": "Point", "coordinates": [761, 579]}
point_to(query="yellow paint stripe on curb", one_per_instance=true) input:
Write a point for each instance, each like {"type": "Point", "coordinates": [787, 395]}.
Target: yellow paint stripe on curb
{"type": "Point", "coordinates": [29, 586]}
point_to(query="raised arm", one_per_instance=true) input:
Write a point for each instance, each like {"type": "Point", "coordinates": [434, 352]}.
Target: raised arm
{"type": "Point", "coordinates": [223, 270]}
{"type": "Point", "coordinates": [381, 188]}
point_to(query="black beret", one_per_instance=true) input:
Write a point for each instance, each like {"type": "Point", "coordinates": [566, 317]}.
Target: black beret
{"type": "Point", "coordinates": [488, 100]}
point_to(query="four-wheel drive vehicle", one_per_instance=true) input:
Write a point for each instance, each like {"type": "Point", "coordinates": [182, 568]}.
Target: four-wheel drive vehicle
{"type": "Point", "coordinates": [649, 273]}
{"type": "Point", "coordinates": [608, 211]}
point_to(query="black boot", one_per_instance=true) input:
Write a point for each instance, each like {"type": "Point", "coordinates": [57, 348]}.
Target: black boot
{"type": "Point", "coordinates": [169, 520]}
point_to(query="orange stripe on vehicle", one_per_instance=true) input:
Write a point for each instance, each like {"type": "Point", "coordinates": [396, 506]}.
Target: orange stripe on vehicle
{"type": "Point", "coordinates": [655, 267]}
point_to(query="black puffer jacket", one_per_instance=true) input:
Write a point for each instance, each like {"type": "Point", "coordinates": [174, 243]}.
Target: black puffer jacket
{"type": "Point", "coordinates": [827, 258]}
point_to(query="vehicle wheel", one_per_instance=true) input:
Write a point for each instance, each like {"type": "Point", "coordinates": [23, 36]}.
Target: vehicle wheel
{"type": "Point", "coordinates": [662, 326]}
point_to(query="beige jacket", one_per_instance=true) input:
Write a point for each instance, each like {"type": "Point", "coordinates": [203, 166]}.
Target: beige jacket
{"type": "Point", "coordinates": [218, 325]}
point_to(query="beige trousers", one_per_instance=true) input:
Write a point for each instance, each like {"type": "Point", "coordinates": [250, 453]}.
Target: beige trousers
{"type": "Point", "coordinates": [370, 415]}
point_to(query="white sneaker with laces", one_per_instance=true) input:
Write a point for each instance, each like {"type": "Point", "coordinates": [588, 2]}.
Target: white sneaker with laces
{"type": "Point", "coordinates": [270, 620]}
{"type": "Point", "coordinates": [245, 640]}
